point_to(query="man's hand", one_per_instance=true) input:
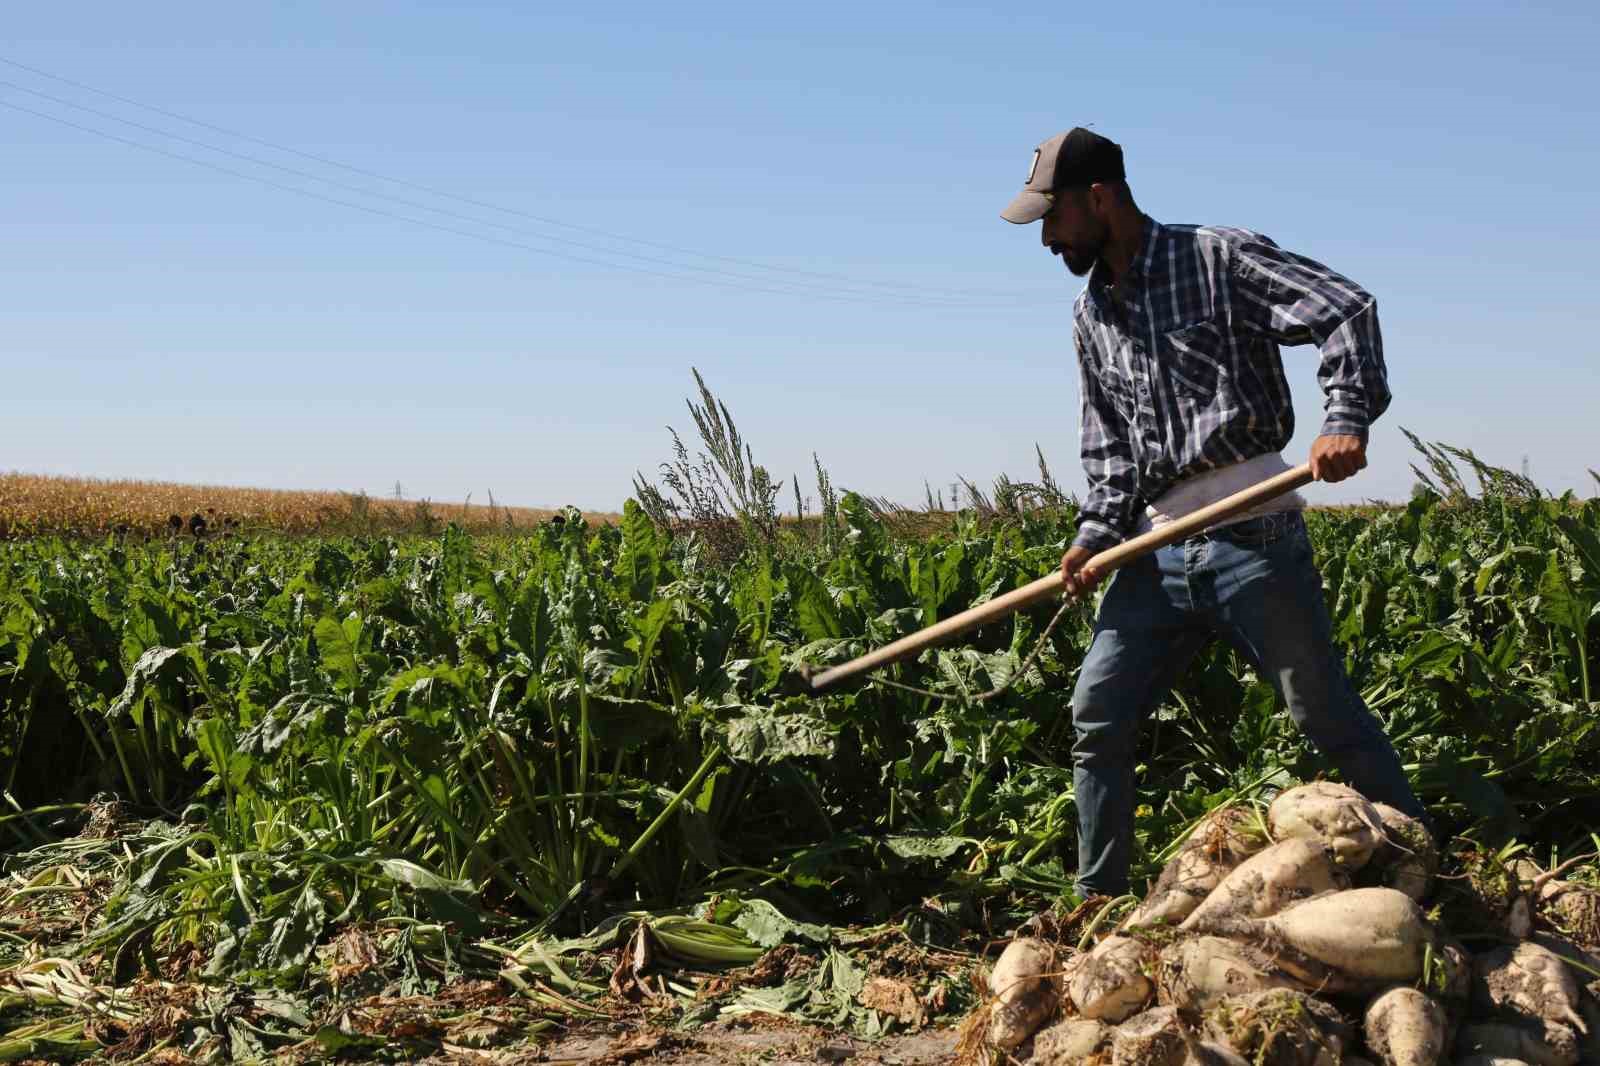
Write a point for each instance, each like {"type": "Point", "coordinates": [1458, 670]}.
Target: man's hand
{"type": "Point", "coordinates": [1075, 578]}
{"type": "Point", "coordinates": [1336, 456]}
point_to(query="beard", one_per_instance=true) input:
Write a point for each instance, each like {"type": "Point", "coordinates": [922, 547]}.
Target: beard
{"type": "Point", "coordinates": [1080, 263]}
{"type": "Point", "coordinates": [1080, 260]}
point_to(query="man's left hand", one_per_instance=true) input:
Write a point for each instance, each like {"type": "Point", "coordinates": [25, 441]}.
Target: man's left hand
{"type": "Point", "coordinates": [1336, 456]}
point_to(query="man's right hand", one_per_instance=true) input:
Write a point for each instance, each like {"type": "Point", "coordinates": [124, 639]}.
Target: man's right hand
{"type": "Point", "coordinates": [1076, 578]}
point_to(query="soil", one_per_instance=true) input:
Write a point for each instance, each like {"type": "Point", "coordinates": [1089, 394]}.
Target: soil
{"type": "Point", "coordinates": [776, 1043]}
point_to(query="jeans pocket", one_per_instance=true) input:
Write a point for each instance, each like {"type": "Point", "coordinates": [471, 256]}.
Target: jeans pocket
{"type": "Point", "coordinates": [1263, 530]}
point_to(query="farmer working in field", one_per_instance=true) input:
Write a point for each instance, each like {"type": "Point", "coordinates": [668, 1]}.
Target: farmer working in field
{"type": "Point", "coordinates": [1185, 402]}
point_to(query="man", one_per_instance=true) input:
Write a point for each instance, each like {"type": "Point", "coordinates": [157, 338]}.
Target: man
{"type": "Point", "coordinates": [1185, 402]}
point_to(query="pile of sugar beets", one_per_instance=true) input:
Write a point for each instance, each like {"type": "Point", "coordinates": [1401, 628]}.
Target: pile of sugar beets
{"type": "Point", "coordinates": [1302, 938]}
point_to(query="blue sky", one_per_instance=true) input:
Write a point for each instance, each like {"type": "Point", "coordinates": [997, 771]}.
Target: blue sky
{"type": "Point", "coordinates": [168, 321]}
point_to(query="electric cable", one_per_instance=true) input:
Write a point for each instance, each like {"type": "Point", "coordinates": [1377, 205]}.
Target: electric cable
{"type": "Point", "coordinates": [418, 205]}
{"type": "Point", "coordinates": [876, 300]}
{"type": "Point", "coordinates": [914, 288]}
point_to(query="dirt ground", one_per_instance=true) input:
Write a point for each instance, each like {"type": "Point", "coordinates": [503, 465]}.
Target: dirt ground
{"type": "Point", "coordinates": [769, 1045]}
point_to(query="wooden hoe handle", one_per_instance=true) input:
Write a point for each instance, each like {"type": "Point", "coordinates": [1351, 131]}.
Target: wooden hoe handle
{"type": "Point", "coordinates": [1045, 587]}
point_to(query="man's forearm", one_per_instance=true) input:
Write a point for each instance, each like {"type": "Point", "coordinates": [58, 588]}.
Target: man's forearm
{"type": "Point", "coordinates": [1295, 300]}
{"type": "Point", "coordinates": [1352, 374]}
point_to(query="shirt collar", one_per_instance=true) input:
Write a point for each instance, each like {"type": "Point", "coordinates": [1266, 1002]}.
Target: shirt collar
{"type": "Point", "coordinates": [1143, 260]}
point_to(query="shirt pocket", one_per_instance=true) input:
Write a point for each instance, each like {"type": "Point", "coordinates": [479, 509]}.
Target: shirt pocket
{"type": "Point", "coordinates": [1193, 358]}
{"type": "Point", "coordinates": [1117, 386]}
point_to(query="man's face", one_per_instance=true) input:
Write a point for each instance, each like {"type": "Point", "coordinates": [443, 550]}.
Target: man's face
{"type": "Point", "coordinates": [1074, 231]}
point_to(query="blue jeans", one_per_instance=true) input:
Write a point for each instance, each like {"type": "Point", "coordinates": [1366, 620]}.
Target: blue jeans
{"type": "Point", "coordinates": [1253, 584]}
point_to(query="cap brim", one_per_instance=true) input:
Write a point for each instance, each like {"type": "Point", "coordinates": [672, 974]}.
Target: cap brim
{"type": "Point", "coordinates": [1027, 207]}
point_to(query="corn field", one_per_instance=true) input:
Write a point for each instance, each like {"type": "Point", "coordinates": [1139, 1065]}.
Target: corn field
{"type": "Point", "coordinates": [33, 505]}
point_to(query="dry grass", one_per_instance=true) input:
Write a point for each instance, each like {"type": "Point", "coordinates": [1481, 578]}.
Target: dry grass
{"type": "Point", "coordinates": [37, 505]}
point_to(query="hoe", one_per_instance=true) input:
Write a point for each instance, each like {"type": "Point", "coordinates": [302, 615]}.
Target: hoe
{"type": "Point", "coordinates": [1046, 587]}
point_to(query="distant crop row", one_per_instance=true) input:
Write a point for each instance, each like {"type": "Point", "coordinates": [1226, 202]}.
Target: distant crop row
{"type": "Point", "coordinates": [34, 505]}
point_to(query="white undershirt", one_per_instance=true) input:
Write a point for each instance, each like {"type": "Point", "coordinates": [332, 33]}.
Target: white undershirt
{"type": "Point", "coordinates": [1202, 490]}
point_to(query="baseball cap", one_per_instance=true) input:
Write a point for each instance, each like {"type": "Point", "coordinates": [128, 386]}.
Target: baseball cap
{"type": "Point", "coordinates": [1076, 158]}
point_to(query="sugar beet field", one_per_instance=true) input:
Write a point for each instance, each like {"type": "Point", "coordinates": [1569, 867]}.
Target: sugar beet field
{"type": "Point", "coordinates": [549, 794]}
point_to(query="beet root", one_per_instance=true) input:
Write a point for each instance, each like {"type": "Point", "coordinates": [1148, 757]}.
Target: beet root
{"type": "Point", "coordinates": [1407, 858]}
{"type": "Point", "coordinates": [1069, 1042]}
{"type": "Point", "coordinates": [1526, 981]}
{"type": "Point", "coordinates": [1338, 816]}
{"type": "Point", "coordinates": [1155, 1038]}
{"type": "Point", "coordinates": [1286, 873]}
{"type": "Point", "coordinates": [1024, 992]}
{"type": "Point", "coordinates": [1219, 842]}
{"type": "Point", "coordinates": [1404, 1027]}
{"type": "Point", "coordinates": [1279, 1027]}
{"type": "Point", "coordinates": [1200, 971]}
{"type": "Point", "coordinates": [1540, 1043]}
{"type": "Point", "coordinates": [1109, 983]}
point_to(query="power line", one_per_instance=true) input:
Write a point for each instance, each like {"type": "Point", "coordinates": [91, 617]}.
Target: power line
{"type": "Point", "coordinates": [920, 291]}
{"type": "Point", "coordinates": [804, 286]}
{"type": "Point", "coordinates": [424, 222]}
{"type": "Point", "coordinates": [876, 299]}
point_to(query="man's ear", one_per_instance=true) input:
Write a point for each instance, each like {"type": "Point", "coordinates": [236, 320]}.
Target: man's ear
{"type": "Point", "coordinates": [1100, 200]}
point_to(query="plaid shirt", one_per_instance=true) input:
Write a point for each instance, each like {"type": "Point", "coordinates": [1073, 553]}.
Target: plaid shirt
{"type": "Point", "coordinates": [1180, 371]}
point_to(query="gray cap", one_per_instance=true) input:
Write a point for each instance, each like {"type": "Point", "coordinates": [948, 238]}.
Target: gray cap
{"type": "Point", "coordinates": [1074, 159]}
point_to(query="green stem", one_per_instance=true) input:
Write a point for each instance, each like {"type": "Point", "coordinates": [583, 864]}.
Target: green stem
{"type": "Point", "coordinates": [582, 776]}
{"type": "Point", "coordinates": [122, 760]}
{"type": "Point", "coordinates": [457, 830]}
{"type": "Point", "coordinates": [626, 859]}
{"type": "Point", "coordinates": [1583, 666]}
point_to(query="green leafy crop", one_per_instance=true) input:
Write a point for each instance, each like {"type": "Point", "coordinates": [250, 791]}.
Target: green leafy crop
{"type": "Point", "coordinates": [543, 730]}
